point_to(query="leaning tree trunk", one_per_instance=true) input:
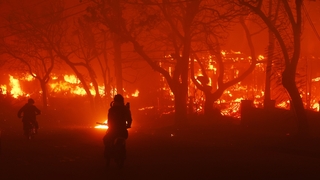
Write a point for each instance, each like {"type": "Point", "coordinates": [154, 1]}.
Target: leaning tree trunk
{"type": "Point", "coordinates": [289, 74]}
{"type": "Point", "coordinates": [288, 81]}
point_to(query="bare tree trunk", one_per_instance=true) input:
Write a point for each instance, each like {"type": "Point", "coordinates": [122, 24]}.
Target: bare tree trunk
{"type": "Point", "coordinates": [267, 96]}
{"type": "Point", "coordinates": [180, 103]}
{"type": "Point", "coordinates": [44, 94]}
{"type": "Point", "coordinates": [288, 81]}
{"type": "Point", "coordinates": [118, 64]}
{"type": "Point", "coordinates": [83, 82]}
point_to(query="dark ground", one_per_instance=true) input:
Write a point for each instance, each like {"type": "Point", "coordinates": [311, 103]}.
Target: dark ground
{"type": "Point", "coordinates": [207, 151]}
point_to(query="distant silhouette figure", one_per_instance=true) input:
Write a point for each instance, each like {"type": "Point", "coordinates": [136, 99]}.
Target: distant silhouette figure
{"type": "Point", "coordinates": [28, 112]}
{"type": "Point", "coordinates": [119, 119]}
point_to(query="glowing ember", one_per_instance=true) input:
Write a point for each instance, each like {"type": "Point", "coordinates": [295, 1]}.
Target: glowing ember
{"type": "Point", "coordinates": [316, 79]}
{"type": "Point", "coordinates": [283, 104]}
{"type": "Point", "coordinates": [223, 53]}
{"type": "Point", "coordinates": [316, 106]}
{"type": "Point", "coordinates": [135, 94]}
{"type": "Point", "coordinates": [260, 57]}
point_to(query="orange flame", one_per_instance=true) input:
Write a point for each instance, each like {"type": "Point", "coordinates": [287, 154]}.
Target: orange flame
{"type": "Point", "coordinates": [3, 89]}
{"type": "Point", "coordinates": [15, 87]}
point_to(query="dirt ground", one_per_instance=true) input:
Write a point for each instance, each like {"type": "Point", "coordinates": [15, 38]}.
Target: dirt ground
{"type": "Point", "coordinates": [207, 151]}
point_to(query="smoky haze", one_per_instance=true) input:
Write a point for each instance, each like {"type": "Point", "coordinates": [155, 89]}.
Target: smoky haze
{"type": "Point", "coordinates": [236, 139]}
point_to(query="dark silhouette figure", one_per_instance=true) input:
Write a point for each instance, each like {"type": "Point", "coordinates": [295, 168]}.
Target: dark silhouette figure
{"type": "Point", "coordinates": [0, 144]}
{"type": "Point", "coordinates": [119, 119]}
{"type": "Point", "coordinates": [29, 111]}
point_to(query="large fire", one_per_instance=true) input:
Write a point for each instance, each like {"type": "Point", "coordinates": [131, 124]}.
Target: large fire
{"type": "Point", "coordinates": [71, 85]}
{"type": "Point", "coordinates": [229, 103]}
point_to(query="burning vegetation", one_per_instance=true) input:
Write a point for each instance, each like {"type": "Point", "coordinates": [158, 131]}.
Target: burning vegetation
{"type": "Point", "coordinates": [69, 86]}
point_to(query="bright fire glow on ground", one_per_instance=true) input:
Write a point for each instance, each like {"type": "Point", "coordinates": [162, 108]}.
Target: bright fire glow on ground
{"type": "Point", "coordinates": [102, 125]}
